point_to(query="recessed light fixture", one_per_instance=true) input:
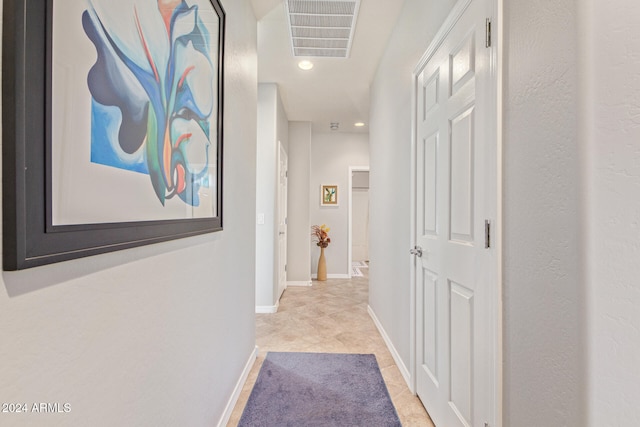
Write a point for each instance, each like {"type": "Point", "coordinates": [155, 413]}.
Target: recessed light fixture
{"type": "Point", "coordinates": [359, 124]}
{"type": "Point", "coordinates": [305, 65]}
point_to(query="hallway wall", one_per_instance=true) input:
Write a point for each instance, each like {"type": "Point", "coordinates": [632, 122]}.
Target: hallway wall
{"type": "Point", "coordinates": [390, 145]}
{"type": "Point", "coordinates": [273, 127]}
{"type": "Point", "coordinates": [543, 282]}
{"type": "Point", "coordinates": [611, 50]}
{"type": "Point", "coordinates": [298, 240]}
{"type": "Point", "coordinates": [331, 156]}
{"type": "Point", "coordinates": [153, 336]}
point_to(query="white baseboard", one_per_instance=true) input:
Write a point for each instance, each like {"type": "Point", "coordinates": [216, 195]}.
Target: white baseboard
{"type": "Point", "coordinates": [267, 309]}
{"type": "Point", "coordinates": [396, 356]}
{"type": "Point", "coordinates": [333, 276]}
{"type": "Point", "coordinates": [228, 410]}
{"type": "Point", "coordinates": [299, 283]}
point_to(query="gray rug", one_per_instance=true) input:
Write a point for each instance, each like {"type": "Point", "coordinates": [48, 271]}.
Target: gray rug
{"type": "Point", "coordinates": [319, 389]}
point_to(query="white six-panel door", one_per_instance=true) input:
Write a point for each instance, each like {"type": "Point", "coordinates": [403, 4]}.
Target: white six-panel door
{"type": "Point", "coordinates": [455, 195]}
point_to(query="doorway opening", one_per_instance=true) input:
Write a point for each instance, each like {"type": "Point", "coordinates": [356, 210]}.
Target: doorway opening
{"type": "Point", "coordinates": [358, 238]}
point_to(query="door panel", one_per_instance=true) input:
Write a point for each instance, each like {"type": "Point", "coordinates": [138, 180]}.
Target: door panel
{"type": "Point", "coordinates": [431, 91]}
{"type": "Point", "coordinates": [462, 168]}
{"type": "Point", "coordinates": [462, 63]}
{"type": "Point", "coordinates": [430, 320]}
{"type": "Point", "coordinates": [461, 321]}
{"type": "Point", "coordinates": [430, 166]}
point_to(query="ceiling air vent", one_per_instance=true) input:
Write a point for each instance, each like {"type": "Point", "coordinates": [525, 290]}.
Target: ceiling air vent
{"type": "Point", "coordinates": [322, 28]}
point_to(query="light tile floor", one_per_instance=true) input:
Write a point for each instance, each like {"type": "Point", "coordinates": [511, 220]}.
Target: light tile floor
{"type": "Point", "coordinates": [331, 317]}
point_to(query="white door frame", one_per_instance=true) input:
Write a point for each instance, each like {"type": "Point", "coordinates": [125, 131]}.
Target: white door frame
{"type": "Point", "coordinates": [495, 13]}
{"type": "Point", "coordinates": [352, 169]}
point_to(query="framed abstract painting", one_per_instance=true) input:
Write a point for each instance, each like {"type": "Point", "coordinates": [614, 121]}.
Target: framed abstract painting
{"type": "Point", "coordinates": [112, 125]}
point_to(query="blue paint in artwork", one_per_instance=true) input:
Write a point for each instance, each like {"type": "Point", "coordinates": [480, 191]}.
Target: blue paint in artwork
{"type": "Point", "coordinates": [105, 125]}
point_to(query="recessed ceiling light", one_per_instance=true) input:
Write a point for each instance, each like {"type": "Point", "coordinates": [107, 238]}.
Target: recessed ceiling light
{"type": "Point", "coordinates": [358, 125]}
{"type": "Point", "coordinates": [305, 65]}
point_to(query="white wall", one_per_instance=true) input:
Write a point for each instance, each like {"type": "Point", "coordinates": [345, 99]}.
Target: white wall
{"type": "Point", "coordinates": [611, 48]}
{"type": "Point", "coordinates": [390, 177]}
{"type": "Point", "coordinates": [331, 156]}
{"type": "Point", "coordinates": [272, 127]}
{"type": "Point", "coordinates": [298, 248]}
{"type": "Point", "coordinates": [152, 336]}
{"type": "Point", "coordinates": [544, 289]}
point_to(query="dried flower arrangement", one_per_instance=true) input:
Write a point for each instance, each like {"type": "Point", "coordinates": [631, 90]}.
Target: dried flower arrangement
{"type": "Point", "coordinates": [320, 235]}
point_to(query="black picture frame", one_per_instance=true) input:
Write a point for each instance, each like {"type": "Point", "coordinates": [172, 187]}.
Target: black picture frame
{"type": "Point", "coordinates": [29, 237]}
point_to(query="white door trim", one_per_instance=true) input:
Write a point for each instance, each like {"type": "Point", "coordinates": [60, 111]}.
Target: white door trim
{"type": "Point", "coordinates": [495, 13]}
{"type": "Point", "coordinates": [496, 58]}
{"type": "Point", "coordinates": [352, 169]}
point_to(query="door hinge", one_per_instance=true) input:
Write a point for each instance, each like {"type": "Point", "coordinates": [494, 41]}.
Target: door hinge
{"type": "Point", "coordinates": [487, 39]}
{"type": "Point", "coordinates": [487, 234]}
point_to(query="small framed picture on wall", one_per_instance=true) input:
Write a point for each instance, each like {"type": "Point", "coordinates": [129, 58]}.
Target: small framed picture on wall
{"type": "Point", "coordinates": [328, 195]}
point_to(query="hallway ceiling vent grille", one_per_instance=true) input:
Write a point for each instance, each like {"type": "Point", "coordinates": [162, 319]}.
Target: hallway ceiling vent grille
{"type": "Point", "coordinates": [322, 28]}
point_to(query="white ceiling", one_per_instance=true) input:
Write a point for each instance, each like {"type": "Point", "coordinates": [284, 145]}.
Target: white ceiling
{"type": "Point", "coordinates": [336, 89]}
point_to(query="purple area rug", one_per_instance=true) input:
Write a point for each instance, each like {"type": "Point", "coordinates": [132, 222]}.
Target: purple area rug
{"type": "Point", "coordinates": [319, 389]}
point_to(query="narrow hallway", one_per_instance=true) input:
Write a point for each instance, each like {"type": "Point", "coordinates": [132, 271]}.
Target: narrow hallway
{"type": "Point", "coordinates": [331, 317]}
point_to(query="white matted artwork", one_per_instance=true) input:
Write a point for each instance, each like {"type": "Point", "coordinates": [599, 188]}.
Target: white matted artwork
{"type": "Point", "coordinates": [134, 112]}
{"type": "Point", "coordinates": [328, 195]}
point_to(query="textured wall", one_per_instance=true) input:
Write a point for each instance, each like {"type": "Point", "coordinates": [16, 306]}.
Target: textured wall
{"type": "Point", "coordinates": [612, 46]}
{"type": "Point", "coordinates": [152, 336]}
{"type": "Point", "coordinates": [544, 291]}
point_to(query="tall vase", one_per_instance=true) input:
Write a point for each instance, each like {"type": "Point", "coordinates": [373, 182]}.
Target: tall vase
{"type": "Point", "coordinates": [322, 266]}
